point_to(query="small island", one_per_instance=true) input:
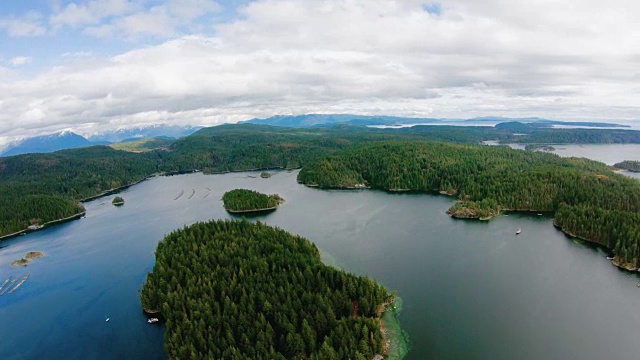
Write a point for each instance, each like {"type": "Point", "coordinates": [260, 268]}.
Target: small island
{"type": "Point", "coordinates": [629, 165]}
{"type": "Point", "coordinates": [539, 147]}
{"type": "Point", "coordinates": [20, 262]}
{"type": "Point", "coordinates": [481, 210]}
{"type": "Point", "coordinates": [118, 201]}
{"type": "Point", "coordinates": [27, 259]}
{"type": "Point", "coordinates": [34, 254]}
{"type": "Point", "coordinates": [248, 201]}
{"type": "Point", "coordinates": [265, 175]}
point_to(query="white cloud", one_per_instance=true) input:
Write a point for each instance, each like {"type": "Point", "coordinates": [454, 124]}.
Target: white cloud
{"type": "Point", "coordinates": [20, 60]}
{"type": "Point", "coordinates": [571, 60]}
{"type": "Point", "coordinates": [77, 54]}
{"type": "Point", "coordinates": [91, 12]}
{"type": "Point", "coordinates": [163, 20]}
{"type": "Point", "coordinates": [28, 25]}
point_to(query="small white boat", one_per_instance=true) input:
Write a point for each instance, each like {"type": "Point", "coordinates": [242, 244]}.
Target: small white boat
{"type": "Point", "coordinates": [518, 231]}
{"type": "Point", "coordinates": [107, 319]}
{"type": "Point", "coordinates": [153, 320]}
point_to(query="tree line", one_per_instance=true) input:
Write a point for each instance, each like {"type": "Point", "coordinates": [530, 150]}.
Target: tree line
{"type": "Point", "coordinates": [589, 200]}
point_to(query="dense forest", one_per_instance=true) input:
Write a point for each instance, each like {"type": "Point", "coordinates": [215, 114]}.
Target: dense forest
{"type": "Point", "coordinates": [44, 187]}
{"type": "Point", "coordinates": [629, 165]}
{"type": "Point", "coordinates": [238, 290]}
{"type": "Point", "coordinates": [37, 188]}
{"type": "Point", "coordinates": [487, 179]}
{"type": "Point", "coordinates": [243, 200]}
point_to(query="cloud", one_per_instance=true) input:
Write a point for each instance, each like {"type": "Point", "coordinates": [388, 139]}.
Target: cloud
{"type": "Point", "coordinates": [28, 25]}
{"type": "Point", "coordinates": [91, 12]}
{"type": "Point", "coordinates": [20, 60]}
{"type": "Point", "coordinates": [131, 19]}
{"type": "Point", "coordinates": [472, 58]}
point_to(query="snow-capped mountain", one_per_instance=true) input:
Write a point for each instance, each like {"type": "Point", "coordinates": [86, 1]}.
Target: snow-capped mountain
{"type": "Point", "coordinates": [47, 143]}
{"type": "Point", "coordinates": [160, 130]}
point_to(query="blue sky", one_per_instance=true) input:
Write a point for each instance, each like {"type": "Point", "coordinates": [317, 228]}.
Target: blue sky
{"type": "Point", "coordinates": [48, 31]}
{"type": "Point", "coordinates": [93, 65]}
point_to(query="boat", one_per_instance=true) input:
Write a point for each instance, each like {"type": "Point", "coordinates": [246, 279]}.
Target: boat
{"type": "Point", "coordinates": [518, 231]}
{"type": "Point", "coordinates": [153, 320]}
{"type": "Point", "coordinates": [610, 257]}
{"type": "Point", "coordinates": [107, 319]}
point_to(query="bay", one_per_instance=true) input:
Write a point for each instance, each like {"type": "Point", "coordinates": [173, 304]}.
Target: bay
{"type": "Point", "coordinates": [470, 289]}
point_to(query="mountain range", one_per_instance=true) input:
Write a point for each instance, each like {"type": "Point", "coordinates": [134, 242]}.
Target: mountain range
{"type": "Point", "coordinates": [315, 120]}
{"type": "Point", "coordinates": [70, 140]}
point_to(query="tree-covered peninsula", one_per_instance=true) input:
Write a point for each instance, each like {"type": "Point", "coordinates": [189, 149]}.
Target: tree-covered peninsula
{"type": "Point", "coordinates": [629, 165]}
{"type": "Point", "coordinates": [589, 200]}
{"type": "Point", "coordinates": [39, 188]}
{"type": "Point", "coordinates": [238, 290]}
{"type": "Point", "coordinates": [245, 201]}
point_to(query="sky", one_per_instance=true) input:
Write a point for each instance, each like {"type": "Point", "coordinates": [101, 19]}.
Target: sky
{"type": "Point", "coordinates": [96, 65]}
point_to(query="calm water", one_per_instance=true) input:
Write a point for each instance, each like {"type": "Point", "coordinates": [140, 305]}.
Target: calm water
{"type": "Point", "coordinates": [470, 289]}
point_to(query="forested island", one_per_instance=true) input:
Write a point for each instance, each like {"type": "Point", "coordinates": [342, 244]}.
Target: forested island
{"type": "Point", "coordinates": [629, 165]}
{"type": "Point", "coordinates": [589, 200]}
{"type": "Point", "coordinates": [249, 201]}
{"type": "Point", "coordinates": [239, 290]}
{"type": "Point", "coordinates": [118, 201]}
{"type": "Point", "coordinates": [484, 209]}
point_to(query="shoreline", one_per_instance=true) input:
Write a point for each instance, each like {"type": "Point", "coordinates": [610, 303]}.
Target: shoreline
{"type": "Point", "coordinates": [81, 214]}
{"type": "Point", "coordinates": [251, 211]}
{"type": "Point", "coordinates": [614, 261]}
{"type": "Point", "coordinates": [47, 224]}
{"type": "Point", "coordinates": [396, 340]}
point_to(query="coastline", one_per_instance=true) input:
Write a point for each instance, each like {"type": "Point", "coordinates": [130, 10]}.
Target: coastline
{"type": "Point", "coordinates": [396, 340]}
{"type": "Point", "coordinates": [48, 223]}
{"type": "Point", "coordinates": [251, 211]}
{"type": "Point", "coordinates": [614, 261]}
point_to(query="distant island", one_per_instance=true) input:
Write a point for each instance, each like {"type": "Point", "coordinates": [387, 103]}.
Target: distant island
{"type": "Point", "coordinates": [239, 290]}
{"type": "Point", "coordinates": [265, 175]}
{"type": "Point", "coordinates": [629, 165]}
{"type": "Point", "coordinates": [118, 201]}
{"type": "Point", "coordinates": [249, 201]}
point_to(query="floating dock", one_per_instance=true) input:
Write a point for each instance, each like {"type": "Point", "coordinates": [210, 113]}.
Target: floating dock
{"type": "Point", "coordinates": [10, 285]}
{"type": "Point", "coordinates": [20, 283]}
{"type": "Point", "coordinates": [5, 283]}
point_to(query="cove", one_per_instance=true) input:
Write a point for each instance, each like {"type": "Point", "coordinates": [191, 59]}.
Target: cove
{"type": "Point", "coordinates": [470, 289]}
